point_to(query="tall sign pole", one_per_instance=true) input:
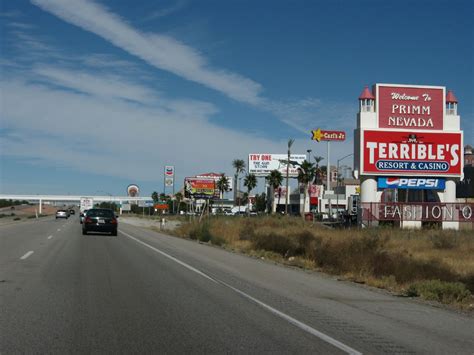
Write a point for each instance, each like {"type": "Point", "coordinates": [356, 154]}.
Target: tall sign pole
{"type": "Point", "coordinates": [320, 135]}
{"type": "Point", "coordinates": [328, 172]}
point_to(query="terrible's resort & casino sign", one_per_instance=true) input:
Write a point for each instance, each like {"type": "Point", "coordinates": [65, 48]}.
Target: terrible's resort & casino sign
{"type": "Point", "coordinates": [410, 138]}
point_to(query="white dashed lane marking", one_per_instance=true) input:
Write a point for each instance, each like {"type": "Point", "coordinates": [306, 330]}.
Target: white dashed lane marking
{"type": "Point", "coordinates": [27, 255]}
{"type": "Point", "coordinates": [50, 237]}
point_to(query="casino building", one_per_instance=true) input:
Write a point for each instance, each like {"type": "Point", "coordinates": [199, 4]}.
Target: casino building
{"type": "Point", "coordinates": [408, 155]}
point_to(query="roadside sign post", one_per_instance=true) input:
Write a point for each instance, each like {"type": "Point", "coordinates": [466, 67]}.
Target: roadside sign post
{"type": "Point", "coordinates": [322, 135]}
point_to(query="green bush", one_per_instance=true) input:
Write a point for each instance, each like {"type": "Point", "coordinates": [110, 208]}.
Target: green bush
{"type": "Point", "coordinates": [441, 291]}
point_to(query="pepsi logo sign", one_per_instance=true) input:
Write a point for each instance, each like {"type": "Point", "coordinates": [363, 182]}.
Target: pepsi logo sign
{"type": "Point", "coordinates": [411, 183]}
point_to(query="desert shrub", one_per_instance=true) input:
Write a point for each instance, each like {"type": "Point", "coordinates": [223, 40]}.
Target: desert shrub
{"type": "Point", "coordinates": [201, 232]}
{"type": "Point", "coordinates": [247, 230]}
{"type": "Point", "coordinates": [406, 268]}
{"type": "Point", "coordinates": [468, 280]}
{"type": "Point", "coordinates": [443, 240]}
{"type": "Point", "coordinates": [274, 241]}
{"type": "Point", "coordinates": [441, 291]}
{"type": "Point", "coordinates": [16, 218]}
{"type": "Point", "coordinates": [356, 253]}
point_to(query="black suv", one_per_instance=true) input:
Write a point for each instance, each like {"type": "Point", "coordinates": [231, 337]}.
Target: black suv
{"type": "Point", "coordinates": [100, 220]}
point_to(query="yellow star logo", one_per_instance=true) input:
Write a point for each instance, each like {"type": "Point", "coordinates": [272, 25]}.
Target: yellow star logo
{"type": "Point", "coordinates": [317, 135]}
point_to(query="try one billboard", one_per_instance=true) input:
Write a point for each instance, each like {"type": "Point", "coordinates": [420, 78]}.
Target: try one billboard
{"type": "Point", "coordinates": [263, 164]}
{"type": "Point", "coordinates": [411, 154]}
{"type": "Point", "coordinates": [410, 107]}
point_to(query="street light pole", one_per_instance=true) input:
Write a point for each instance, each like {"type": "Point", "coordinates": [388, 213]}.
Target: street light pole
{"type": "Point", "coordinates": [337, 181]}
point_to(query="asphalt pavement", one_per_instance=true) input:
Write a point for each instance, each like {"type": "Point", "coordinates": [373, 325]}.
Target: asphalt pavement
{"type": "Point", "coordinates": [144, 292]}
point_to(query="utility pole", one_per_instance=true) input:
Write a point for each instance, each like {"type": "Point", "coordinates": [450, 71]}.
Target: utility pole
{"type": "Point", "coordinates": [287, 196]}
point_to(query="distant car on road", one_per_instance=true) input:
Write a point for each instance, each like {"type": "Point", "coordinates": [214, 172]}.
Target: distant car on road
{"type": "Point", "coordinates": [100, 220]}
{"type": "Point", "coordinates": [62, 214]}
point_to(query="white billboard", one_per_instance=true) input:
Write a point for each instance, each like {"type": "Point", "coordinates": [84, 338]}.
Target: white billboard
{"type": "Point", "coordinates": [263, 164]}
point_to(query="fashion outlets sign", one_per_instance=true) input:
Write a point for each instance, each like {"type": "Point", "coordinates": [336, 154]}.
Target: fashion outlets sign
{"type": "Point", "coordinates": [427, 212]}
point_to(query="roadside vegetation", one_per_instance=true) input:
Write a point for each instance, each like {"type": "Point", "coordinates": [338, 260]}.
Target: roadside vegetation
{"type": "Point", "coordinates": [432, 264]}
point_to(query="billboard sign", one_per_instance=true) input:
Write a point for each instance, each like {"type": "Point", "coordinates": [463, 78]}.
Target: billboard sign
{"type": "Point", "coordinates": [411, 183]}
{"type": "Point", "coordinates": [320, 135]}
{"type": "Point", "coordinates": [161, 206]}
{"type": "Point", "coordinates": [411, 154]}
{"type": "Point", "coordinates": [126, 206]}
{"type": "Point", "coordinates": [314, 193]}
{"type": "Point", "coordinates": [133, 190]}
{"type": "Point", "coordinates": [410, 107]}
{"type": "Point", "coordinates": [169, 181]}
{"type": "Point", "coordinates": [169, 170]}
{"type": "Point", "coordinates": [199, 188]}
{"type": "Point", "coordinates": [143, 203]}
{"type": "Point", "coordinates": [86, 203]}
{"type": "Point", "coordinates": [263, 164]}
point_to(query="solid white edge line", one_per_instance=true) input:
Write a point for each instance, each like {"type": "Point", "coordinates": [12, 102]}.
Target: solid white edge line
{"type": "Point", "coordinates": [169, 257]}
{"type": "Point", "coordinates": [275, 311]}
{"type": "Point", "coordinates": [27, 255]}
{"type": "Point", "coordinates": [297, 323]}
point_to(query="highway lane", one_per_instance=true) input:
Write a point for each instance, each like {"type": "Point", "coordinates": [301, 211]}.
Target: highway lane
{"type": "Point", "coordinates": [146, 292]}
{"type": "Point", "coordinates": [103, 294]}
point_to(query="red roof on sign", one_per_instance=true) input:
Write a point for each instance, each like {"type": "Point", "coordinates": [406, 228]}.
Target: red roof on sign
{"type": "Point", "coordinates": [450, 98]}
{"type": "Point", "coordinates": [366, 94]}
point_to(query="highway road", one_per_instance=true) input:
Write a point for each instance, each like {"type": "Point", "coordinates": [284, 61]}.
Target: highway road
{"type": "Point", "coordinates": [144, 292]}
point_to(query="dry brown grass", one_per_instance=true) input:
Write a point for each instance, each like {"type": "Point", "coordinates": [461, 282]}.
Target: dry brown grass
{"type": "Point", "coordinates": [388, 258]}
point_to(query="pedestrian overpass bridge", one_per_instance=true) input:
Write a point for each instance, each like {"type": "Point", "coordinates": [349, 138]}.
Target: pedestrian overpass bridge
{"type": "Point", "coordinates": [71, 198]}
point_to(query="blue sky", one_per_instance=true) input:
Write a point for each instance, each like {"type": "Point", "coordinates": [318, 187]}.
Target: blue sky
{"type": "Point", "coordinates": [96, 95]}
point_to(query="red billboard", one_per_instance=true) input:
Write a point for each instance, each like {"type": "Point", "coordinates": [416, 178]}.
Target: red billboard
{"type": "Point", "coordinates": [410, 107]}
{"type": "Point", "coordinates": [411, 154]}
{"type": "Point", "coordinates": [199, 188]}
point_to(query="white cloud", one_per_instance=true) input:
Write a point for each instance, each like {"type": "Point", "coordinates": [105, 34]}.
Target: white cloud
{"type": "Point", "coordinates": [160, 51]}
{"type": "Point", "coordinates": [102, 86]}
{"type": "Point", "coordinates": [168, 54]}
{"type": "Point", "coordinates": [178, 5]}
{"type": "Point", "coordinates": [109, 136]}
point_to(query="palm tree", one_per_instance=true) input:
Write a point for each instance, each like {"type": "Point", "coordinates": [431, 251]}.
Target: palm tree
{"type": "Point", "coordinates": [290, 143]}
{"type": "Point", "coordinates": [179, 197]}
{"type": "Point", "coordinates": [274, 180]}
{"type": "Point", "coordinates": [223, 186]}
{"type": "Point", "coordinates": [154, 196]}
{"type": "Point", "coordinates": [317, 177]}
{"type": "Point", "coordinates": [306, 174]}
{"type": "Point", "coordinates": [250, 182]}
{"type": "Point", "coordinates": [239, 166]}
